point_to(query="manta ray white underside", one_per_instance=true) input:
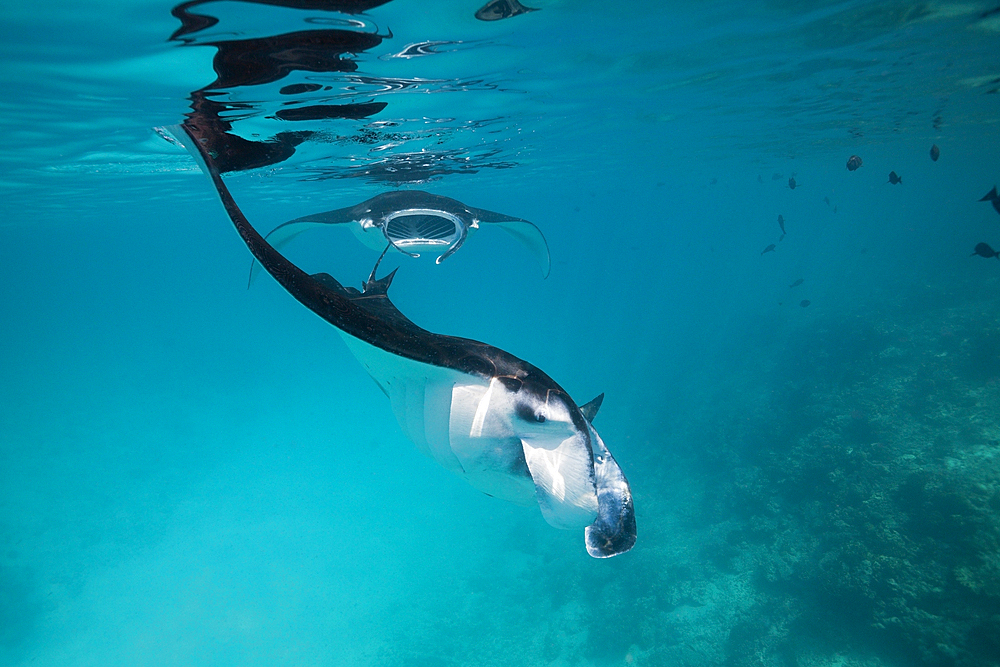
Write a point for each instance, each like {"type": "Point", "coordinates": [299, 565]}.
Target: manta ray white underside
{"type": "Point", "coordinates": [496, 420]}
{"type": "Point", "coordinates": [465, 423]}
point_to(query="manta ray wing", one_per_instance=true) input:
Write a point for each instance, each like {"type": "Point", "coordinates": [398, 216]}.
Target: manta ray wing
{"type": "Point", "coordinates": [282, 235]}
{"type": "Point", "coordinates": [531, 238]}
{"type": "Point", "coordinates": [498, 421]}
{"type": "Point", "coordinates": [279, 237]}
{"type": "Point", "coordinates": [527, 233]}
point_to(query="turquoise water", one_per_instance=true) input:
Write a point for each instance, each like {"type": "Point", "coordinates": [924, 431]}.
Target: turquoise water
{"type": "Point", "coordinates": [192, 472]}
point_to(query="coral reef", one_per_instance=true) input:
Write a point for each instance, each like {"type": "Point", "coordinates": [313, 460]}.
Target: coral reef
{"type": "Point", "coordinates": [861, 498]}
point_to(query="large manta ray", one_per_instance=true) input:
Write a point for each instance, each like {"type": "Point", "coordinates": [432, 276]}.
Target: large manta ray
{"type": "Point", "coordinates": [495, 420]}
{"type": "Point", "coordinates": [413, 221]}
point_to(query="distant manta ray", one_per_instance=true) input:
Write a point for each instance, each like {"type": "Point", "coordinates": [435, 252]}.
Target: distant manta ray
{"type": "Point", "coordinates": [413, 221]}
{"type": "Point", "coordinates": [497, 421]}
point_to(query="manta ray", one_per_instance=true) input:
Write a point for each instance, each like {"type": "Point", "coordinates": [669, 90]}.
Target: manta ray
{"type": "Point", "coordinates": [495, 420]}
{"type": "Point", "coordinates": [412, 221]}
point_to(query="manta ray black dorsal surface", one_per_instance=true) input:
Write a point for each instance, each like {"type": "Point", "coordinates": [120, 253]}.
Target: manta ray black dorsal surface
{"type": "Point", "coordinates": [497, 421]}
{"type": "Point", "coordinates": [368, 315]}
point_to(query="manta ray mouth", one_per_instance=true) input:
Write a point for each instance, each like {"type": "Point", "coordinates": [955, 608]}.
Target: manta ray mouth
{"type": "Point", "coordinates": [422, 228]}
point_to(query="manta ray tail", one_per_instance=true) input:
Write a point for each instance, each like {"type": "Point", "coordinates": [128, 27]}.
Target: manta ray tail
{"type": "Point", "coordinates": [380, 287]}
{"type": "Point", "coordinates": [371, 276]}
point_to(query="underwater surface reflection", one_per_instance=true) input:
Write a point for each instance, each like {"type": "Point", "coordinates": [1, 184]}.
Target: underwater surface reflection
{"type": "Point", "coordinates": [768, 247]}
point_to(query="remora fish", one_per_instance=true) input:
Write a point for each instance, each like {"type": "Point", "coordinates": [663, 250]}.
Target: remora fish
{"type": "Point", "coordinates": [413, 221]}
{"type": "Point", "coordinates": [493, 419]}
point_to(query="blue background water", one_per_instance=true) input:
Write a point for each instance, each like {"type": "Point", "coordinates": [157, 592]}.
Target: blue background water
{"type": "Point", "coordinates": [195, 473]}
